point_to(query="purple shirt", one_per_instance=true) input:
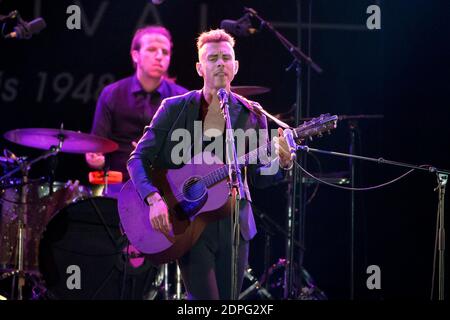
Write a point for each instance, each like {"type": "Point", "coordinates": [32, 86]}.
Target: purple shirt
{"type": "Point", "coordinates": [123, 109]}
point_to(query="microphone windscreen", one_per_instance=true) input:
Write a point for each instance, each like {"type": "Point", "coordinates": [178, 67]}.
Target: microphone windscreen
{"type": "Point", "coordinates": [229, 26]}
{"type": "Point", "coordinates": [37, 25]}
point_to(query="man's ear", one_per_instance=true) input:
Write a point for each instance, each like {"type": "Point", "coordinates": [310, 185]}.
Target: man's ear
{"type": "Point", "coordinates": [135, 56]}
{"type": "Point", "coordinates": [198, 66]}
{"type": "Point", "coordinates": [236, 66]}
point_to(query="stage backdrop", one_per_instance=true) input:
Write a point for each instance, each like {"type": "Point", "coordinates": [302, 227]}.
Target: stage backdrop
{"type": "Point", "coordinates": [399, 71]}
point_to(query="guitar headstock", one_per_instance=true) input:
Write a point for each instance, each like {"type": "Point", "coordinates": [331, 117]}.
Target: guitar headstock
{"type": "Point", "coordinates": [315, 127]}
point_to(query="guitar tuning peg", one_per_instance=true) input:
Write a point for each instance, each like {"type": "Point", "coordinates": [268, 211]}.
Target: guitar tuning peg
{"type": "Point", "coordinates": [310, 138]}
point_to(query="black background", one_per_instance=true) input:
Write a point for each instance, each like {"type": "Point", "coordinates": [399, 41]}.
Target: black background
{"type": "Point", "coordinates": [401, 71]}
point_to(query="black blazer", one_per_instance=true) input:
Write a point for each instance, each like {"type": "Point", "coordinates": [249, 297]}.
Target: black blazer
{"type": "Point", "coordinates": [155, 146]}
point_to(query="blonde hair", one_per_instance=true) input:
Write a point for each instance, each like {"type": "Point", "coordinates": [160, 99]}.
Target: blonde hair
{"type": "Point", "coordinates": [216, 35]}
{"type": "Point", "coordinates": [136, 42]}
{"type": "Point", "coordinates": [151, 29]}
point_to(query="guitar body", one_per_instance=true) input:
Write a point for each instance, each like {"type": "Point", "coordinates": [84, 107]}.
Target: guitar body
{"type": "Point", "coordinates": [189, 212]}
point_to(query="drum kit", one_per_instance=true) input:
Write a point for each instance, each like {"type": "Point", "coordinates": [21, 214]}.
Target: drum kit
{"type": "Point", "coordinates": [61, 241]}
{"type": "Point", "coordinates": [50, 229]}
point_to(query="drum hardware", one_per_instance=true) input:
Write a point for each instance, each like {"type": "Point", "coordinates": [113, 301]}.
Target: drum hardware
{"type": "Point", "coordinates": [53, 140]}
{"type": "Point", "coordinates": [271, 285]}
{"type": "Point", "coordinates": [47, 226]}
{"type": "Point", "coordinates": [255, 286]}
{"type": "Point", "coordinates": [24, 166]}
{"type": "Point", "coordinates": [127, 273]}
{"type": "Point", "coordinates": [172, 291]}
{"type": "Point", "coordinates": [306, 291]}
{"type": "Point", "coordinates": [32, 290]}
{"type": "Point", "coordinates": [102, 179]}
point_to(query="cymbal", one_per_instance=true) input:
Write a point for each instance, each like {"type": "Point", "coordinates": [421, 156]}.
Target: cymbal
{"type": "Point", "coordinates": [73, 142]}
{"type": "Point", "coordinates": [249, 90]}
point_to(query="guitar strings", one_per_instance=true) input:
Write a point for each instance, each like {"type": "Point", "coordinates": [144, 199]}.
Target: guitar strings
{"type": "Point", "coordinates": [189, 185]}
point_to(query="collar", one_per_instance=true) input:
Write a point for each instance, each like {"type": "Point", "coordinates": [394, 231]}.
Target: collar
{"type": "Point", "coordinates": [136, 86]}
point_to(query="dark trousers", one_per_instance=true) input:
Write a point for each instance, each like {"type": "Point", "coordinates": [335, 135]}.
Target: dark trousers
{"type": "Point", "coordinates": [206, 268]}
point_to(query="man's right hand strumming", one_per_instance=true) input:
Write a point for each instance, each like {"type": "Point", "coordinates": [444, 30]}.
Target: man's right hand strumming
{"type": "Point", "coordinates": [158, 214]}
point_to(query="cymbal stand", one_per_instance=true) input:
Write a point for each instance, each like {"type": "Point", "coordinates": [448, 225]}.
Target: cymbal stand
{"type": "Point", "coordinates": [178, 292]}
{"type": "Point", "coordinates": [442, 182]}
{"type": "Point", "coordinates": [105, 179]}
{"type": "Point", "coordinates": [172, 291]}
{"type": "Point", "coordinates": [296, 204]}
{"type": "Point", "coordinates": [24, 167]}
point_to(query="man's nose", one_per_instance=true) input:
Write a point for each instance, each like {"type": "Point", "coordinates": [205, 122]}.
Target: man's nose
{"type": "Point", "coordinates": [159, 54]}
{"type": "Point", "coordinates": [220, 62]}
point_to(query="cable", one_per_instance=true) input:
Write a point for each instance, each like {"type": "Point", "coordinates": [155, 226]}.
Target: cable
{"type": "Point", "coordinates": [308, 83]}
{"type": "Point", "coordinates": [359, 149]}
{"type": "Point", "coordinates": [316, 189]}
{"type": "Point", "coordinates": [356, 189]}
{"type": "Point", "coordinates": [433, 276]}
{"type": "Point", "coordinates": [124, 278]}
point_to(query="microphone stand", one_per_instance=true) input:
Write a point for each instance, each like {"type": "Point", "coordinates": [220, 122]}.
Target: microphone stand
{"type": "Point", "coordinates": [235, 185]}
{"type": "Point", "coordinates": [296, 190]}
{"type": "Point", "coordinates": [353, 127]}
{"type": "Point", "coordinates": [442, 178]}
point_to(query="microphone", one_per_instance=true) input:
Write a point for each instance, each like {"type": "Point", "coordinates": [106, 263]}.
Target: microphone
{"type": "Point", "coordinates": [222, 95]}
{"type": "Point", "coordinates": [25, 30]}
{"type": "Point", "coordinates": [288, 135]}
{"type": "Point", "coordinates": [239, 28]}
{"type": "Point", "coordinates": [11, 15]}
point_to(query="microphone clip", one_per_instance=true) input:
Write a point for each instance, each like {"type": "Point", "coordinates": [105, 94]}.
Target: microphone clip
{"type": "Point", "coordinates": [222, 94]}
{"type": "Point", "coordinates": [240, 28]}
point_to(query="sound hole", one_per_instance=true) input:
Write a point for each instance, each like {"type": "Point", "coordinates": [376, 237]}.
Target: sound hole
{"type": "Point", "coordinates": [193, 189]}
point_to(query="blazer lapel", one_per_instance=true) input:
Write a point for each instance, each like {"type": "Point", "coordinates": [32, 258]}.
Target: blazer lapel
{"type": "Point", "coordinates": [237, 117]}
{"type": "Point", "coordinates": [193, 109]}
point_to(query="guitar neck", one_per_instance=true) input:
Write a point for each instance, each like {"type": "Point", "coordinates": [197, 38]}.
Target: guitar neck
{"type": "Point", "coordinates": [252, 157]}
{"type": "Point", "coordinates": [261, 155]}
